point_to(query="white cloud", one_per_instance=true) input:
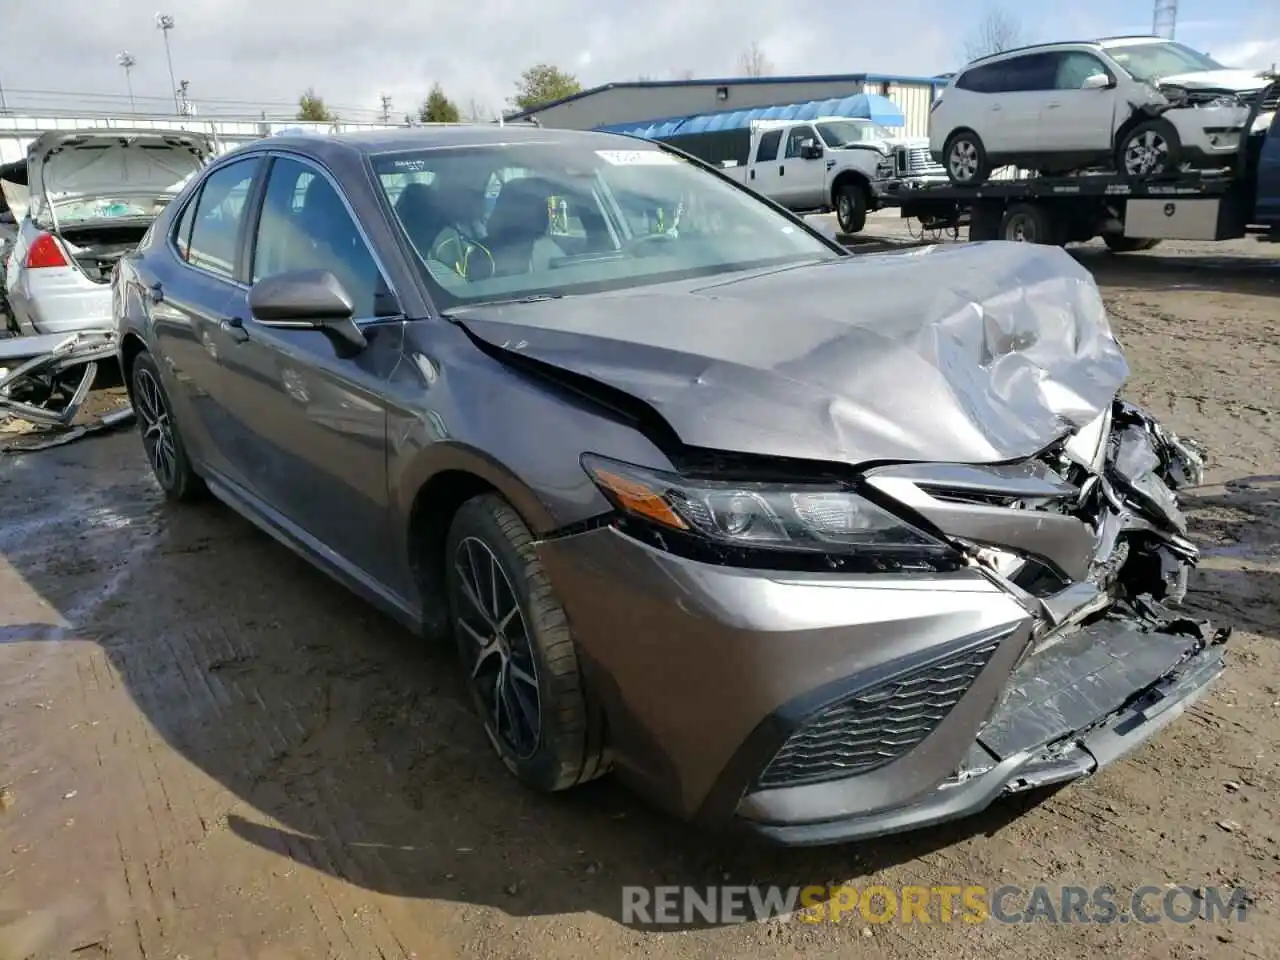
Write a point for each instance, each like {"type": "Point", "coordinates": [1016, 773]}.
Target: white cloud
{"type": "Point", "coordinates": [1261, 54]}
{"type": "Point", "coordinates": [351, 52]}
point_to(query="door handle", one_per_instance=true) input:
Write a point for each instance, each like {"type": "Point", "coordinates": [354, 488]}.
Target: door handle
{"type": "Point", "coordinates": [782, 170]}
{"type": "Point", "coordinates": [1052, 106]}
{"type": "Point", "coordinates": [996, 108]}
{"type": "Point", "coordinates": [234, 328]}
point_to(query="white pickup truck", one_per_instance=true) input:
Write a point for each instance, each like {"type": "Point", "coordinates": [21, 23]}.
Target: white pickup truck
{"type": "Point", "coordinates": [844, 164]}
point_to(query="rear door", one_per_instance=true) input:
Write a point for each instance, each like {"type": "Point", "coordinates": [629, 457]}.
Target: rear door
{"type": "Point", "coordinates": [1268, 200]}
{"type": "Point", "coordinates": [1023, 84]}
{"type": "Point", "coordinates": [190, 285]}
{"type": "Point", "coordinates": [762, 176]}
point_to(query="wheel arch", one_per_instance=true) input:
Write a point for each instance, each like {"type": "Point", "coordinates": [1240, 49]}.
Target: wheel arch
{"type": "Point", "coordinates": [445, 477]}
{"type": "Point", "coordinates": [131, 345]}
{"type": "Point", "coordinates": [847, 176]}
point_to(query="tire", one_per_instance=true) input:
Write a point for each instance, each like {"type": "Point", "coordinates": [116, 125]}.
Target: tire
{"type": "Point", "coordinates": [1121, 244]}
{"type": "Point", "coordinates": [851, 207]}
{"type": "Point", "coordinates": [159, 430]}
{"type": "Point", "coordinates": [1151, 148]}
{"type": "Point", "coordinates": [1028, 223]}
{"type": "Point", "coordinates": [562, 743]}
{"type": "Point", "coordinates": [966, 159]}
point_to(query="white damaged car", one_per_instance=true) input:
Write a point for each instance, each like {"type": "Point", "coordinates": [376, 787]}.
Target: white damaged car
{"type": "Point", "coordinates": [91, 196]}
{"type": "Point", "coordinates": [1144, 105]}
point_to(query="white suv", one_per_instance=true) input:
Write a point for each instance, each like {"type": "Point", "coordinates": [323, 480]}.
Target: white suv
{"type": "Point", "coordinates": [1142, 104]}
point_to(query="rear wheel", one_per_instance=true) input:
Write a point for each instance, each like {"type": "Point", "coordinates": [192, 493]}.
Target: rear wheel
{"type": "Point", "coordinates": [518, 655]}
{"type": "Point", "coordinates": [161, 440]}
{"type": "Point", "coordinates": [965, 158]}
{"type": "Point", "coordinates": [1028, 223]}
{"type": "Point", "coordinates": [851, 207]}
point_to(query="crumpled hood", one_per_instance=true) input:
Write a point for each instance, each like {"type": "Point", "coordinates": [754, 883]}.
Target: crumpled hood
{"type": "Point", "coordinates": [1234, 80]}
{"type": "Point", "coordinates": [977, 353]}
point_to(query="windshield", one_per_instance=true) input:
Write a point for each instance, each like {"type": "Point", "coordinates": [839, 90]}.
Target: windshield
{"type": "Point", "coordinates": [1153, 62]}
{"type": "Point", "coordinates": [515, 220]}
{"type": "Point", "coordinates": [839, 133]}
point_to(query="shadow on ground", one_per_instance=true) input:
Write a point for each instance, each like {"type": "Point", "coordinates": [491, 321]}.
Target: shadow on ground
{"type": "Point", "coordinates": [333, 723]}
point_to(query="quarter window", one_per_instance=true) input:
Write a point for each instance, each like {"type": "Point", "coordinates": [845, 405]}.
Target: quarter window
{"type": "Point", "coordinates": [306, 226]}
{"type": "Point", "coordinates": [219, 211]}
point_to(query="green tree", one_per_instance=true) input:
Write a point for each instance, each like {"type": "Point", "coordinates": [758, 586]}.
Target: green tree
{"type": "Point", "coordinates": [311, 107]}
{"type": "Point", "coordinates": [438, 108]}
{"type": "Point", "coordinates": [543, 83]}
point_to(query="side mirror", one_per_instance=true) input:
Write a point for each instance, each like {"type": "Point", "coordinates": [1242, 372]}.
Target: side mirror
{"type": "Point", "coordinates": [810, 150]}
{"type": "Point", "coordinates": [309, 300]}
{"type": "Point", "coordinates": [1097, 81]}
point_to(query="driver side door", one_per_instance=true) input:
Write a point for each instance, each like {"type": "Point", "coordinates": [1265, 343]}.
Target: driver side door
{"type": "Point", "coordinates": [801, 180]}
{"type": "Point", "coordinates": [1075, 119]}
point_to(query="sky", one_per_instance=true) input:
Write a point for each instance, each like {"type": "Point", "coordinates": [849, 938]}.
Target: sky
{"type": "Point", "coordinates": [242, 56]}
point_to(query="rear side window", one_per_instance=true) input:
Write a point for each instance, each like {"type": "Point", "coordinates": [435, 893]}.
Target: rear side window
{"type": "Point", "coordinates": [1034, 71]}
{"type": "Point", "coordinates": [768, 149]}
{"type": "Point", "coordinates": [219, 212]}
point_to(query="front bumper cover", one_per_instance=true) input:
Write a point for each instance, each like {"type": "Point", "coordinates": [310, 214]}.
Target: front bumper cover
{"type": "Point", "coordinates": [1069, 709]}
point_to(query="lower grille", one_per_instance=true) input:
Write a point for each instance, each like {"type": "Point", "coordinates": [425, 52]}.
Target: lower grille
{"type": "Point", "coordinates": [877, 725]}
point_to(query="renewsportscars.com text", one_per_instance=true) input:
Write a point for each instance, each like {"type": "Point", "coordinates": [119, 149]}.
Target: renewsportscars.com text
{"type": "Point", "coordinates": [971, 904]}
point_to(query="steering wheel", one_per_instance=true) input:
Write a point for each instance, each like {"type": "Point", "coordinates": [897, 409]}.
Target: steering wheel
{"type": "Point", "coordinates": [463, 248]}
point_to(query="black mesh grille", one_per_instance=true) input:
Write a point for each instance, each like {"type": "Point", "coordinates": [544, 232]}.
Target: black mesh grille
{"type": "Point", "coordinates": [877, 725]}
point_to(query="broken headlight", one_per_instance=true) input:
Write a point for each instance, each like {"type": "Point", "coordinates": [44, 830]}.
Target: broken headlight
{"type": "Point", "coordinates": [811, 519]}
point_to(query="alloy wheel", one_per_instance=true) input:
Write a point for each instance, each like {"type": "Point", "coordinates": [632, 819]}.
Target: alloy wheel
{"type": "Point", "coordinates": [497, 649]}
{"type": "Point", "coordinates": [157, 427]}
{"type": "Point", "coordinates": [963, 160]}
{"type": "Point", "coordinates": [1146, 154]}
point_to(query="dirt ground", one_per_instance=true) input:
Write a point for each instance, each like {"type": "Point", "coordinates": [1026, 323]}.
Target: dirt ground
{"type": "Point", "coordinates": [209, 751]}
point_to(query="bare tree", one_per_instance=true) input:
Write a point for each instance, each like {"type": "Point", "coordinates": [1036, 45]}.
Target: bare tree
{"type": "Point", "coordinates": [754, 62]}
{"type": "Point", "coordinates": [998, 30]}
{"type": "Point", "coordinates": [685, 74]}
{"type": "Point", "coordinates": [477, 111]}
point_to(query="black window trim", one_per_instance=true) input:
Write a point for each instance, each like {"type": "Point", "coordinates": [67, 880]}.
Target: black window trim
{"type": "Point", "coordinates": [249, 241]}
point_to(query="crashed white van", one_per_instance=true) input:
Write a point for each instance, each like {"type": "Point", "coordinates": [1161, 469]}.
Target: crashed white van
{"type": "Point", "coordinates": [91, 196]}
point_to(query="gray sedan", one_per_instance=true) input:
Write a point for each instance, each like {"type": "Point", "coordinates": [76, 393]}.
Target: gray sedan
{"type": "Point", "coordinates": [820, 546]}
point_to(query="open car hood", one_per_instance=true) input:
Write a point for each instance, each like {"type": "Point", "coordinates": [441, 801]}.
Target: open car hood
{"type": "Point", "coordinates": [72, 166]}
{"type": "Point", "coordinates": [978, 353]}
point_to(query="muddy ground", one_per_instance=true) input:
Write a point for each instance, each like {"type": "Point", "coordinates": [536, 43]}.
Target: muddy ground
{"type": "Point", "coordinates": [209, 751]}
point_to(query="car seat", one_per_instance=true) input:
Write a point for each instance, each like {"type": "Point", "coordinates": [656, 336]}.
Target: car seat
{"type": "Point", "coordinates": [517, 228]}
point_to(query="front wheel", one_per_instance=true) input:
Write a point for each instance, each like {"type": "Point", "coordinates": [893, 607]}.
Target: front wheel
{"type": "Point", "coordinates": [518, 655]}
{"type": "Point", "coordinates": [1151, 148]}
{"type": "Point", "coordinates": [851, 207]}
{"type": "Point", "coordinates": [161, 441]}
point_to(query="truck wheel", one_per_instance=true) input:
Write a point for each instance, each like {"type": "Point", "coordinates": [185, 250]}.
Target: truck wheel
{"type": "Point", "coordinates": [1118, 243]}
{"type": "Point", "coordinates": [1151, 148]}
{"type": "Point", "coordinates": [851, 207]}
{"type": "Point", "coordinates": [1028, 223]}
{"type": "Point", "coordinates": [966, 159]}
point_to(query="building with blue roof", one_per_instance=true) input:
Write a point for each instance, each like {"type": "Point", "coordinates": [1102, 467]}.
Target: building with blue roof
{"type": "Point", "coordinates": [632, 105]}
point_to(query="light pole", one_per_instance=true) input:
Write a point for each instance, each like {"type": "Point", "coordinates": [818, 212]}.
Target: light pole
{"type": "Point", "coordinates": [164, 23]}
{"type": "Point", "coordinates": [128, 61]}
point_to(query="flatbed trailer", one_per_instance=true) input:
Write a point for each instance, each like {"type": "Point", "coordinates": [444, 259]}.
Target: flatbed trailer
{"type": "Point", "coordinates": [1127, 214]}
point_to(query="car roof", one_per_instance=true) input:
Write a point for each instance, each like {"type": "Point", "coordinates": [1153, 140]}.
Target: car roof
{"type": "Point", "coordinates": [435, 136]}
{"type": "Point", "coordinates": [1103, 43]}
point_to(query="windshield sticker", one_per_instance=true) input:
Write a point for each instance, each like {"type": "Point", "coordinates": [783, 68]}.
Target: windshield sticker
{"type": "Point", "coordinates": [637, 158]}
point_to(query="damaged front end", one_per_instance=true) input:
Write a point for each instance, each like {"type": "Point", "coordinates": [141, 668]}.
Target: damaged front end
{"type": "Point", "coordinates": [1089, 538]}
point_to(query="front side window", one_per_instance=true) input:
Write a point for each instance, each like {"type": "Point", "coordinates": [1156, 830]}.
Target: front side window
{"type": "Point", "coordinates": [582, 216]}
{"type": "Point", "coordinates": [219, 211]}
{"type": "Point", "coordinates": [796, 139]}
{"type": "Point", "coordinates": [306, 226]}
{"type": "Point", "coordinates": [1074, 68]}
{"type": "Point", "coordinates": [1152, 62]}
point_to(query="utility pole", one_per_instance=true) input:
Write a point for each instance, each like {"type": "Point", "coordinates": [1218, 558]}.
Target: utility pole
{"type": "Point", "coordinates": [164, 23]}
{"type": "Point", "coordinates": [386, 108]}
{"type": "Point", "coordinates": [128, 61]}
{"type": "Point", "coordinates": [1164, 18]}
{"type": "Point", "coordinates": [4, 104]}
{"type": "Point", "coordinates": [184, 103]}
